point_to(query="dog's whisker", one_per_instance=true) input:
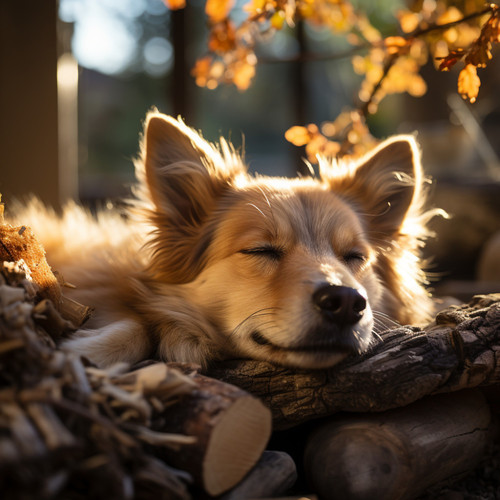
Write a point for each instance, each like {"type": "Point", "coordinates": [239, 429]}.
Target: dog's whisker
{"type": "Point", "coordinates": [378, 329]}
{"type": "Point", "coordinates": [270, 209]}
{"type": "Point", "coordinates": [261, 312]}
{"type": "Point", "coordinates": [383, 322]}
{"type": "Point", "coordinates": [379, 322]}
{"type": "Point", "coordinates": [258, 209]}
{"type": "Point", "coordinates": [381, 316]}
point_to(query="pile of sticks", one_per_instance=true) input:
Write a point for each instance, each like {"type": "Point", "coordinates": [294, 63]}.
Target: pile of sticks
{"type": "Point", "coordinates": [71, 430]}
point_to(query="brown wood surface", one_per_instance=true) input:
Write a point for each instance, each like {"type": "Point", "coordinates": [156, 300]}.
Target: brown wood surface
{"type": "Point", "coordinates": [231, 428]}
{"type": "Point", "coordinates": [274, 474]}
{"type": "Point", "coordinates": [21, 243]}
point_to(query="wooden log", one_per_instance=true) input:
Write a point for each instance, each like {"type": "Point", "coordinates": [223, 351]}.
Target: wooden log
{"type": "Point", "coordinates": [399, 453]}
{"type": "Point", "coordinates": [460, 350]}
{"type": "Point", "coordinates": [20, 248]}
{"type": "Point", "coordinates": [274, 474]}
{"type": "Point", "coordinates": [18, 243]}
{"type": "Point", "coordinates": [231, 428]}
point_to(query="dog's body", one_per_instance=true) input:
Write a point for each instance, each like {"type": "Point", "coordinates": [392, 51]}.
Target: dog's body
{"type": "Point", "coordinates": [222, 264]}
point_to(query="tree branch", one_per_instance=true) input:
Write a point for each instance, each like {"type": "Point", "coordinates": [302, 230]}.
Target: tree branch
{"type": "Point", "coordinates": [417, 33]}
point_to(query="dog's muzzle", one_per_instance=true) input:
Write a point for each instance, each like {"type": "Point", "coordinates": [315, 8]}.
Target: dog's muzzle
{"type": "Point", "coordinates": [341, 305]}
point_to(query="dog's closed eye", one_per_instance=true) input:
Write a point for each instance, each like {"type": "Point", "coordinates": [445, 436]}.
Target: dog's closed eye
{"type": "Point", "coordinates": [266, 251]}
{"type": "Point", "coordinates": [354, 257]}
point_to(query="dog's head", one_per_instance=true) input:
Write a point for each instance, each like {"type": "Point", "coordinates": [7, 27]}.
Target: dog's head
{"type": "Point", "coordinates": [293, 271]}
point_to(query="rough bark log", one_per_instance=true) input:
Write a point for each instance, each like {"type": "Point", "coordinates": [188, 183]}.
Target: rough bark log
{"type": "Point", "coordinates": [398, 454]}
{"type": "Point", "coordinates": [460, 350]}
{"type": "Point", "coordinates": [231, 428]}
{"type": "Point", "coordinates": [274, 474]}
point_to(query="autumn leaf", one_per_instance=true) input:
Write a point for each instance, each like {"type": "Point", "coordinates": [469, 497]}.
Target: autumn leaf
{"type": "Point", "coordinates": [469, 83]}
{"type": "Point", "coordinates": [479, 55]}
{"type": "Point", "coordinates": [243, 74]}
{"type": "Point", "coordinates": [222, 37]}
{"type": "Point", "coordinates": [218, 10]}
{"type": "Point", "coordinates": [450, 60]}
{"type": "Point", "coordinates": [396, 44]}
{"type": "Point", "coordinates": [347, 135]}
{"type": "Point", "coordinates": [464, 31]}
{"type": "Point", "coordinates": [175, 4]}
{"type": "Point", "coordinates": [254, 8]}
{"type": "Point", "coordinates": [201, 71]}
{"type": "Point", "coordinates": [408, 21]}
{"type": "Point", "coordinates": [450, 15]}
{"type": "Point", "coordinates": [278, 20]}
{"type": "Point", "coordinates": [491, 29]}
{"type": "Point", "coordinates": [298, 136]}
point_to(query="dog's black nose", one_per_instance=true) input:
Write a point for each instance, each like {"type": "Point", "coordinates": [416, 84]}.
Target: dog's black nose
{"type": "Point", "coordinates": [341, 304]}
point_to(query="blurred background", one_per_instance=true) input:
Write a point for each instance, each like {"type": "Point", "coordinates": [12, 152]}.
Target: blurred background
{"type": "Point", "coordinates": [78, 76]}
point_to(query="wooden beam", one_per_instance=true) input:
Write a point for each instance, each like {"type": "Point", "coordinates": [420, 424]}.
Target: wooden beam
{"type": "Point", "coordinates": [28, 100]}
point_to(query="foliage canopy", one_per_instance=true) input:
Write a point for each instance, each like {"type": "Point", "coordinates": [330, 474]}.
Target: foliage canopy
{"type": "Point", "coordinates": [449, 32]}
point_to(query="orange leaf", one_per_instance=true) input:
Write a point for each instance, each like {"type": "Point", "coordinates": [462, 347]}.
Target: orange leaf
{"type": "Point", "coordinates": [395, 44]}
{"type": "Point", "coordinates": [175, 4]}
{"type": "Point", "coordinates": [218, 10]}
{"type": "Point", "coordinates": [243, 74]}
{"type": "Point", "coordinates": [479, 54]}
{"type": "Point", "coordinates": [409, 21]}
{"type": "Point", "coordinates": [201, 70]}
{"type": "Point", "coordinates": [222, 37]}
{"type": "Point", "coordinates": [447, 62]}
{"type": "Point", "coordinates": [299, 136]}
{"type": "Point", "coordinates": [469, 83]}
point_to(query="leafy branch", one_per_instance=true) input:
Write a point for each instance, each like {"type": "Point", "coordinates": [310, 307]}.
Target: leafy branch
{"type": "Point", "coordinates": [448, 32]}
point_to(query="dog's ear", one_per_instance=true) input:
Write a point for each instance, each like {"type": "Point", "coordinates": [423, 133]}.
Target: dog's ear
{"type": "Point", "coordinates": [386, 184]}
{"type": "Point", "coordinates": [183, 176]}
{"type": "Point", "coordinates": [183, 172]}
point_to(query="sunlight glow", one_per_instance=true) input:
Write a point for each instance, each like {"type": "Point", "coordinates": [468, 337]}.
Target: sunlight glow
{"type": "Point", "coordinates": [107, 35]}
{"type": "Point", "coordinates": [67, 72]}
{"type": "Point", "coordinates": [103, 43]}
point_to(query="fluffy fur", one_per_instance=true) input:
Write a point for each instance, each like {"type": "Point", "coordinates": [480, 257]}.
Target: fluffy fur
{"type": "Point", "coordinates": [211, 263]}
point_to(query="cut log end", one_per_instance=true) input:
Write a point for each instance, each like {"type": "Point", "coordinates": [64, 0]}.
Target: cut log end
{"type": "Point", "coordinates": [236, 444]}
{"type": "Point", "coordinates": [273, 476]}
{"type": "Point", "coordinates": [398, 454]}
{"type": "Point", "coordinates": [357, 462]}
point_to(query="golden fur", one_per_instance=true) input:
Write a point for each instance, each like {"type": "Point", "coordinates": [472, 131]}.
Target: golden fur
{"type": "Point", "coordinates": [210, 262]}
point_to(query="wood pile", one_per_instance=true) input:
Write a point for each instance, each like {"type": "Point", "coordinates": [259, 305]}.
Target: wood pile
{"type": "Point", "coordinates": [388, 424]}
{"type": "Point", "coordinates": [71, 430]}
